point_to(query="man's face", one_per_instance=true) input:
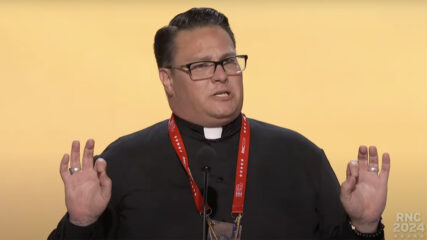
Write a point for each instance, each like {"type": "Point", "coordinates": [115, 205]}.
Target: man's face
{"type": "Point", "coordinates": [210, 102]}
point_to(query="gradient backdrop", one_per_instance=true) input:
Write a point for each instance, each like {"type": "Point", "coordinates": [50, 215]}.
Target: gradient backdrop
{"type": "Point", "coordinates": [343, 73]}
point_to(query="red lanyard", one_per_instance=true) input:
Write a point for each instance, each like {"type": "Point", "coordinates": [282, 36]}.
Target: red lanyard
{"type": "Point", "coordinates": [241, 166]}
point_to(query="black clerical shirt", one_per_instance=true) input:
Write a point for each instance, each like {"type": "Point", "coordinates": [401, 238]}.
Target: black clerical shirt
{"type": "Point", "coordinates": [292, 191]}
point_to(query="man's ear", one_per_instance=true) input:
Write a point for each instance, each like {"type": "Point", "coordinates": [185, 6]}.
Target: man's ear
{"type": "Point", "coordinates": [167, 81]}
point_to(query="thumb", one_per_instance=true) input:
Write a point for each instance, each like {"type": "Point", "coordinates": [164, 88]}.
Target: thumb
{"type": "Point", "coordinates": [105, 181]}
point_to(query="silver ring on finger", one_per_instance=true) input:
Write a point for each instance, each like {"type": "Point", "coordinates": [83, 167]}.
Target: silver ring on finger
{"type": "Point", "coordinates": [373, 169]}
{"type": "Point", "coordinates": [74, 170]}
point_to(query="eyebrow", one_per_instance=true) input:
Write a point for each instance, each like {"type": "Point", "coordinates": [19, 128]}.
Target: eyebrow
{"type": "Point", "coordinates": [225, 55]}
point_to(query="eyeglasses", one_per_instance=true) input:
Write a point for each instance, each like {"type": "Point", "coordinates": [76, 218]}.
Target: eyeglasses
{"type": "Point", "coordinates": [206, 69]}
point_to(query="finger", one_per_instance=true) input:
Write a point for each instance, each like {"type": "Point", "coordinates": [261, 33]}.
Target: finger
{"type": "Point", "coordinates": [348, 173]}
{"type": "Point", "coordinates": [63, 169]}
{"type": "Point", "coordinates": [373, 157]}
{"type": "Point", "coordinates": [105, 181]}
{"type": "Point", "coordinates": [354, 169]}
{"type": "Point", "coordinates": [385, 168]}
{"type": "Point", "coordinates": [87, 161]}
{"type": "Point", "coordinates": [362, 156]}
{"type": "Point", "coordinates": [100, 165]}
{"type": "Point", "coordinates": [348, 187]}
{"type": "Point", "coordinates": [352, 176]}
{"type": "Point", "coordinates": [75, 154]}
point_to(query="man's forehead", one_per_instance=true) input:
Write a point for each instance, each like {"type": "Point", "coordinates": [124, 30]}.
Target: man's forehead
{"type": "Point", "coordinates": [203, 43]}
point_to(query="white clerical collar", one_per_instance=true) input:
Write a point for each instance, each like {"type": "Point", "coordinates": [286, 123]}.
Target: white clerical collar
{"type": "Point", "coordinates": [212, 133]}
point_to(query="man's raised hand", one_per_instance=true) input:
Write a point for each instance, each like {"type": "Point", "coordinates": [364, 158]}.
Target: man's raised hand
{"type": "Point", "coordinates": [364, 192]}
{"type": "Point", "coordinates": [87, 191]}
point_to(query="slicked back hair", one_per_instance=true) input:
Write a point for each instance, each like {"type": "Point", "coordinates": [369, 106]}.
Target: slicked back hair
{"type": "Point", "coordinates": [193, 18]}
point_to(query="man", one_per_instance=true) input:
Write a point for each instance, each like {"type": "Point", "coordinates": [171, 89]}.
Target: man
{"type": "Point", "coordinates": [266, 182]}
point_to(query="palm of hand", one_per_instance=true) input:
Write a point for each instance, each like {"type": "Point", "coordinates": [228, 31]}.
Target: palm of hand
{"type": "Point", "coordinates": [84, 196]}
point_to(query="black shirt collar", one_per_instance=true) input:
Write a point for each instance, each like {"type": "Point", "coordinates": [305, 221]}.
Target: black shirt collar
{"type": "Point", "coordinates": [196, 131]}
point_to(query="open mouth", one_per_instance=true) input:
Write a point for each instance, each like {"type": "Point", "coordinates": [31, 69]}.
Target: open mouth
{"type": "Point", "coordinates": [222, 94]}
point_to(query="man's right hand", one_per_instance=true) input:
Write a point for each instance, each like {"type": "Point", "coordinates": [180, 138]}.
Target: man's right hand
{"type": "Point", "coordinates": [88, 191]}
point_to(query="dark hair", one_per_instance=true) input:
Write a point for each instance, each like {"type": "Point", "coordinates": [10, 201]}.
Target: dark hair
{"type": "Point", "coordinates": [195, 17]}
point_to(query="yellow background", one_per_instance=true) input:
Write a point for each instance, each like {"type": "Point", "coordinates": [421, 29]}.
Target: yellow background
{"type": "Point", "coordinates": [343, 73]}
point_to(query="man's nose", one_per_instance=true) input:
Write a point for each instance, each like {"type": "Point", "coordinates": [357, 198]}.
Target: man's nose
{"type": "Point", "coordinates": [219, 74]}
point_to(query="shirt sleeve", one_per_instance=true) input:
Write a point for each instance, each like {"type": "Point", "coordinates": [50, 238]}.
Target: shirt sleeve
{"type": "Point", "coordinates": [67, 230]}
{"type": "Point", "coordinates": [104, 228]}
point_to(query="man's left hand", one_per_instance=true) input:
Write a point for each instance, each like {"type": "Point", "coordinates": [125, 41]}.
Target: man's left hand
{"type": "Point", "coordinates": [364, 192]}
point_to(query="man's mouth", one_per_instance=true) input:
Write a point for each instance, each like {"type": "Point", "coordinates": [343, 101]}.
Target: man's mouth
{"type": "Point", "coordinates": [222, 94]}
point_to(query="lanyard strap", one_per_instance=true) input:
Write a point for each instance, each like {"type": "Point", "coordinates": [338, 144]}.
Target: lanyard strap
{"type": "Point", "coordinates": [241, 166]}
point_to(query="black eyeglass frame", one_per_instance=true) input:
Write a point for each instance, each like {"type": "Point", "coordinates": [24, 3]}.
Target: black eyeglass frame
{"type": "Point", "coordinates": [187, 67]}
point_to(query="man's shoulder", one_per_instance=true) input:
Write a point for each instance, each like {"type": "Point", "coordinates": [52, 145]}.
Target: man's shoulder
{"type": "Point", "coordinates": [272, 133]}
{"type": "Point", "coordinates": [152, 135]}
